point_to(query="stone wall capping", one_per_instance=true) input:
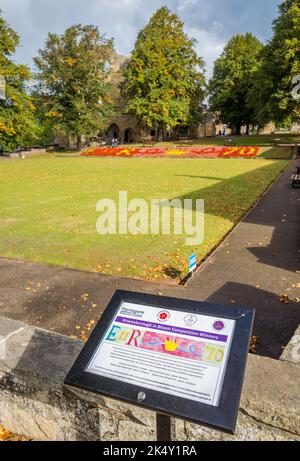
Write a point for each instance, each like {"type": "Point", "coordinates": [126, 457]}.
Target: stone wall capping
{"type": "Point", "coordinates": [34, 402]}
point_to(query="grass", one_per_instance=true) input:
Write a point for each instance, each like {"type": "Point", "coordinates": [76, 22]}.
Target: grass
{"type": "Point", "coordinates": [48, 209]}
{"type": "Point", "coordinates": [275, 152]}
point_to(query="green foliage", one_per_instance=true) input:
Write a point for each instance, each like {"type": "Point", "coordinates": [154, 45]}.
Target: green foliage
{"type": "Point", "coordinates": [272, 94]}
{"type": "Point", "coordinates": [233, 79]}
{"type": "Point", "coordinates": [72, 70]}
{"type": "Point", "coordinates": [164, 79]}
{"type": "Point", "coordinates": [18, 126]}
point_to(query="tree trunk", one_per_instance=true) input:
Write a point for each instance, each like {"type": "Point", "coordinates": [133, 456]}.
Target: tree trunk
{"type": "Point", "coordinates": [159, 136]}
{"type": "Point", "coordinates": [238, 129]}
{"type": "Point", "coordinates": [79, 142]}
{"type": "Point", "coordinates": [248, 129]}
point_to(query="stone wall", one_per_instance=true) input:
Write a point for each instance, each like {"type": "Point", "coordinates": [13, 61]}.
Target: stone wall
{"type": "Point", "coordinates": [34, 402]}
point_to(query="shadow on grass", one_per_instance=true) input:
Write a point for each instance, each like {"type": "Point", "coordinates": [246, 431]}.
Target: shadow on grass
{"type": "Point", "coordinates": [199, 177]}
{"type": "Point", "coordinates": [277, 153]}
{"type": "Point", "coordinates": [229, 198]}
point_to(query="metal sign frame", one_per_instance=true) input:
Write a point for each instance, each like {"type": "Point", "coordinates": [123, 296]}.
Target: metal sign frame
{"type": "Point", "coordinates": [224, 416]}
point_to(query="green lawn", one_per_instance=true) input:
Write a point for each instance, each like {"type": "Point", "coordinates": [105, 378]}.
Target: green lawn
{"type": "Point", "coordinates": [48, 208]}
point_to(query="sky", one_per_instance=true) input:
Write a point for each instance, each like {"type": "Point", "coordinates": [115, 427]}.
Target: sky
{"type": "Point", "coordinates": [211, 22]}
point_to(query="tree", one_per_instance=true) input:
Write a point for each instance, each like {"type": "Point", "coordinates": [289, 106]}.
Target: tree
{"type": "Point", "coordinates": [18, 126]}
{"type": "Point", "coordinates": [233, 79]}
{"type": "Point", "coordinates": [72, 71]}
{"type": "Point", "coordinates": [164, 78]}
{"type": "Point", "coordinates": [272, 95]}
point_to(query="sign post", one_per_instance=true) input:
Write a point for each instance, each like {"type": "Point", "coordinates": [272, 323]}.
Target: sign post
{"type": "Point", "coordinates": [192, 263]}
{"type": "Point", "coordinates": [177, 357]}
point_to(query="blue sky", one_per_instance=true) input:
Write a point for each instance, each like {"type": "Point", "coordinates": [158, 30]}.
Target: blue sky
{"type": "Point", "coordinates": [211, 22]}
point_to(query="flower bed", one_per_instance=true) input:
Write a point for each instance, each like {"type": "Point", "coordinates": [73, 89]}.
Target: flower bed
{"type": "Point", "coordinates": [192, 152]}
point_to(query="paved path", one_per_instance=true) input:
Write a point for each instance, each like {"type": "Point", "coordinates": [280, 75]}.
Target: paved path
{"type": "Point", "coordinates": [254, 267]}
{"type": "Point", "coordinates": [259, 263]}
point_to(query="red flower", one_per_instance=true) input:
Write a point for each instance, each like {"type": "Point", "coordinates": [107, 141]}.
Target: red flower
{"type": "Point", "coordinates": [196, 151]}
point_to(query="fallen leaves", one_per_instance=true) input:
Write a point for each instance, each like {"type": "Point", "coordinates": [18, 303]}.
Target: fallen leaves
{"type": "Point", "coordinates": [83, 337]}
{"type": "Point", "coordinates": [4, 434]}
{"type": "Point", "coordinates": [7, 436]}
{"type": "Point", "coordinates": [284, 299]}
{"type": "Point", "coordinates": [90, 324]}
{"type": "Point", "coordinates": [254, 342]}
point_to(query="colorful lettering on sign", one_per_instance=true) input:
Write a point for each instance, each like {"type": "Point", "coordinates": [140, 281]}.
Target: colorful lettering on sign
{"type": "Point", "coordinates": [180, 347]}
{"type": "Point", "coordinates": [124, 336]}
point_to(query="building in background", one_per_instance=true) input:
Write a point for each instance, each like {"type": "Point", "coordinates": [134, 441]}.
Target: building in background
{"type": "Point", "coordinates": [128, 129]}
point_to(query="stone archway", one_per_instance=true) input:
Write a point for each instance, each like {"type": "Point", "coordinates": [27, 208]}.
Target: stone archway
{"type": "Point", "coordinates": [128, 136]}
{"type": "Point", "coordinates": [113, 131]}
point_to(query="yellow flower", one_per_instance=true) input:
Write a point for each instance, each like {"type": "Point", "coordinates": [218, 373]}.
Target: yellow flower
{"type": "Point", "coordinates": [175, 152]}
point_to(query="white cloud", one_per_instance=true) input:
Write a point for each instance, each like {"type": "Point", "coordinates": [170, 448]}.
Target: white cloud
{"type": "Point", "coordinates": [211, 23]}
{"type": "Point", "coordinates": [209, 47]}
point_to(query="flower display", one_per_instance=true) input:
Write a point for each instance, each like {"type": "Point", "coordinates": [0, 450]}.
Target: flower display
{"type": "Point", "coordinates": [191, 152]}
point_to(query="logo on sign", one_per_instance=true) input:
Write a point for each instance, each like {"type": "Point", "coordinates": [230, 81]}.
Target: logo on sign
{"type": "Point", "coordinates": [163, 316]}
{"type": "Point", "coordinates": [219, 325]}
{"type": "Point", "coordinates": [190, 319]}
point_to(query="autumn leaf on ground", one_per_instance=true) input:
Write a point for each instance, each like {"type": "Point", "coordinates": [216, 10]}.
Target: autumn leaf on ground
{"type": "Point", "coordinates": [284, 299]}
{"type": "Point", "coordinates": [4, 434]}
{"type": "Point", "coordinates": [7, 436]}
{"type": "Point", "coordinates": [254, 341]}
{"type": "Point", "coordinates": [90, 324]}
